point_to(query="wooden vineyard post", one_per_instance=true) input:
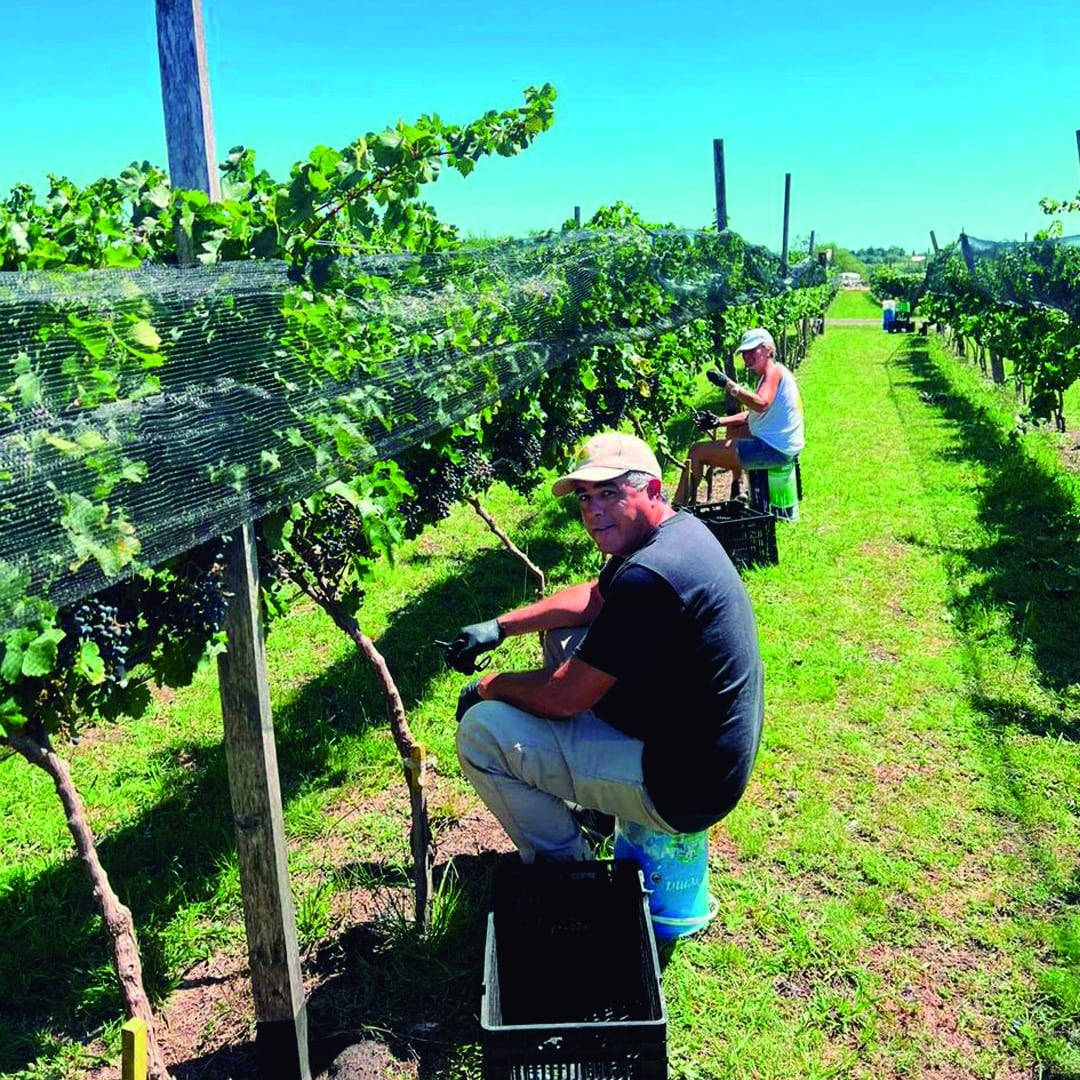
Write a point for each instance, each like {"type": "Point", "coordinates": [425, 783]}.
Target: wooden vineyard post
{"type": "Point", "coordinates": [185, 97]}
{"type": "Point", "coordinates": [577, 217]}
{"type": "Point", "coordinates": [255, 790]}
{"type": "Point", "coordinates": [787, 218]}
{"type": "Point", "coordinates": [997, 366]}
{"type": "Point", "coordinates": [783, 357]}
{"type": "Point", "coordinates": [278, 989]}
{"type": "Point", "coordinates": [720, 184]}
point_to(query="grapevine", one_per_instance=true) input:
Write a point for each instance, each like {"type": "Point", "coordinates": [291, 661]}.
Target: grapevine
{"type": "Point", "coordinates": [96, 657]}
{"type": "Point", "coordinates": [1023, 303]}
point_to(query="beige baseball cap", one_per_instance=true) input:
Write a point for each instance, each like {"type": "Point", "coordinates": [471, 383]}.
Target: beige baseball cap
{"type": "Point", "coordinates": [606, 456]}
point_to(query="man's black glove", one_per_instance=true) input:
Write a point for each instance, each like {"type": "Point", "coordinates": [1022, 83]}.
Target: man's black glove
{"type": "Point", "coordinates": [719, 378]}
{"type": "Point", "coordinates": [467, 698]}
{"type": "Point", "coordinates": [706, 421]}
{"type": "Point", "coordinates": [471, 641]}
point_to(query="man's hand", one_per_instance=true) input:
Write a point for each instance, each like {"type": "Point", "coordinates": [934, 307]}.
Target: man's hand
{"type": "Point", "coordinates": [471, 641]}
{"type": "Point", "coordinates": [719, 378]}
{"type": "Point", "coordinates": [469, 696]}
{"type": "Point", "coordinates": [706, 421]}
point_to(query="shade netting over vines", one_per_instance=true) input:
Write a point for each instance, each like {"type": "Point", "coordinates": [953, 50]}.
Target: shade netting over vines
{"type": "Point", "coordinates": [147, 411]}
{"type": "Point", "coordinates": [1037, 273]}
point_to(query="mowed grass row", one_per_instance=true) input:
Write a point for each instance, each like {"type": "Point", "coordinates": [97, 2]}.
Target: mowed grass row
{"type": "Point", "coordinates": [914, 818]}
{"type": "Point", "coordinates": [899, 888]}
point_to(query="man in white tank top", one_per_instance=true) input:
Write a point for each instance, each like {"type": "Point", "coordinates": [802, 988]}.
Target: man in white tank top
{"type": "Point", "coordinates": [768, 432]}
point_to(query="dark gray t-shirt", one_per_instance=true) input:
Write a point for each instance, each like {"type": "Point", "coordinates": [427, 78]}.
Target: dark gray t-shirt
{"type": "Point", "coordinates": [678, 633]}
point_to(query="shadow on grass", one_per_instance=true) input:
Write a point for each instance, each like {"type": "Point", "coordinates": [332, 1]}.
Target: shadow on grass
{"type": "Point", "coordinates": [488, 584]}
{"type": "Point", "coordinates": [381, 984]}
{"type": "Point", "coordinates": [55, 971]}
{"type": "Point", "coordinates": [1032, 566]}
{"type": "Point", "coordinates": [1002, 715]}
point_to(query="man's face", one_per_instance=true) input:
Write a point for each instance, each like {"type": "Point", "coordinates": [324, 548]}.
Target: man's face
{"type": "Point", "coordinates": [617, 516]}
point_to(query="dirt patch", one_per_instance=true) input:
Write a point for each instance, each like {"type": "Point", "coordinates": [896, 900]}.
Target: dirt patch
{"type": "Point", "coordinates": [929, 1012]}
{"type": "Point", "coordinates": [1070, 451]}
{"type": "Point", "coordinates": [206, 1029]}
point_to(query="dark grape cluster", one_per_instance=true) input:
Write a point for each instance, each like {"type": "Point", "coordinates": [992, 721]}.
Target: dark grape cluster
{"type": "Point", "coordinates": [565, 435]}
{"type": "Point", "coordinates": [203, 608]}
{"type": "Point", "coordinates": [99, 622]}
{"type": "Point", "coordinates": [517, 454]}
{"type": "Point", "coordinates": [190, 604]}
{"type": "Point", "coordinates": [436, 489]}
{"type": "Point", "coordinates": [479, 472]}
{"type": "Point", "coordinates": [609, 406]}
{"type": "Point", "coordinates": [158, 624]}
{"type": "Point", "coordinates": [329, 540]}
{"type": "Point", "coordinates": [332, 536]}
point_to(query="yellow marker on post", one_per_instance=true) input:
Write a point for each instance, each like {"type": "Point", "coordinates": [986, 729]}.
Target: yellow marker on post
{"type": "Point", "coordinates": [133, 1045]}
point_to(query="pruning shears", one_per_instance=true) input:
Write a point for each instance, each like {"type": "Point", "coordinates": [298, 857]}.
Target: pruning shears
{"type": "Point", "coordinates": [478, 665]}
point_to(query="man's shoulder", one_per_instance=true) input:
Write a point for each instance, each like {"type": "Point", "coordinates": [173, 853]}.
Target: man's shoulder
{"type": "Point", "coordinates": [685, 526]}
{"type": "Point", "coordinates": [676, 538]}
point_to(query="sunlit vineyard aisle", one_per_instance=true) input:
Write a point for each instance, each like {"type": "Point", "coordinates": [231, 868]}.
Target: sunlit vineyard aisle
{"type": "Point", "coordinates": [902, 896]}
{"type": "Point", "coordinates": [897, 892]}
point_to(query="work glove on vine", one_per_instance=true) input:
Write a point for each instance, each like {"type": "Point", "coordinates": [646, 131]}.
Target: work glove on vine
{"type": "Point", "coordinates": [471, 641]}
{"type": "Point", "coordinates": [467, 698]}
{"type": "Point", "coordinates": [719, 378]}
{"type": "Point", "coordinates": [706, 421]}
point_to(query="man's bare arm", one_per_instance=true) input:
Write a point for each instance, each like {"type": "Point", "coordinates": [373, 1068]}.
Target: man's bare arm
{"type": "Point", "coordinates": [577, 605]}
{"type": "Point", "coordinates": [570, 689]}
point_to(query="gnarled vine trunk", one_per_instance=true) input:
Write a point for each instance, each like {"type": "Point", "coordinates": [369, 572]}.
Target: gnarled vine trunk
{"type": "Point", "coordinates": [38, 751]}
{"type": "Point", "coordinates": [414, 762]}
{"type": "Point", "coordinates": [493, 525]}
{"type": "Point", "coordinates": [413, 756]}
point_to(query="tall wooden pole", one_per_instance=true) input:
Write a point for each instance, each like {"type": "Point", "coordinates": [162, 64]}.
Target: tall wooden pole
{"type": "Point", "coordinates": [726, 361]}
{"type": "Point", "coordinates": [965, 250]}
{"type": "Point", "coordinates": [577, 217]}
{"type": "Point", "coordinates": [787, 212]}
{"type": "Point", "coordinates": [933, 241]}
{"type": "Point", "coordinates": [810, 250]}
{"type": "Point", "coordinates": [185, 96]}
{"type": "Point", "coordinates": [278, 989]}
{"type": "Point", "coordinates": [720, 184]}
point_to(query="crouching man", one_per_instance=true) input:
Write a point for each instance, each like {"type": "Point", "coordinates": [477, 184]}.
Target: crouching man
{"type": "Point", "coordinates": [650, 708]}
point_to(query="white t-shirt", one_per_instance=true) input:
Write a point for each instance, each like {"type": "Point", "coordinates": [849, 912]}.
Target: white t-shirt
{"type": "Point", "coordinates": [781, 424]}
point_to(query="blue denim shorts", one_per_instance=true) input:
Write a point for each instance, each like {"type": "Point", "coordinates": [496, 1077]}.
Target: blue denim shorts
{"type": "Point", "coordinates": [753, 453]}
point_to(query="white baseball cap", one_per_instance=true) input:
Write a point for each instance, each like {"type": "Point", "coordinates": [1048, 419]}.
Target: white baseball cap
{"type": "Point", "coordinates": [753, 338]}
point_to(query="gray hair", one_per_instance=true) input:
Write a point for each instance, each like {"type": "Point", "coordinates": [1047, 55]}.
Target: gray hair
{"type": "Point", "coordinates": [635, 478]}
{"type": "Point", "coordinates": [638, 480]}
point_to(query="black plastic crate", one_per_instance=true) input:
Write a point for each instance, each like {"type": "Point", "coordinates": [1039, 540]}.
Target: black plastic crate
{"type": "Point", "coordinates": [748, 536]}
{"type": "Point", "coordinates": [571, 976]}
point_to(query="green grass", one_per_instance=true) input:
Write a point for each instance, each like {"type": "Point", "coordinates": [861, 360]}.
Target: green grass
{"type": "Point", "coordinates": [854, 304]}
{"type": "Point", "coordinates": [899, 889]}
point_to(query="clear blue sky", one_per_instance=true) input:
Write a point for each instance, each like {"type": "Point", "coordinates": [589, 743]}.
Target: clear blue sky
{"type": "Point", "coordinates": [891, 121]}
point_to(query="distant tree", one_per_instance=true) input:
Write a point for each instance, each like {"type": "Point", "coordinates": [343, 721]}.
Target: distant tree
{"type": "Point", "coordinates": [843, 260]}
{"type": "Point", "coordinates": [890, 283]}
{"type": "Point", "coordinates": [876, 256]}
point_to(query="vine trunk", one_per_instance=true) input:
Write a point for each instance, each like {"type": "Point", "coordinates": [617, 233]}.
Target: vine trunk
{"type": "Point", "coordinates": [118, 921]}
